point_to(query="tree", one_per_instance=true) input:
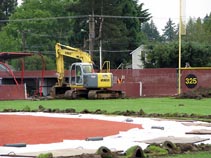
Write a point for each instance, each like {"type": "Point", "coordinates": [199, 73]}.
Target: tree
{"type": "Point", "coordinates": [195, 30]}
{"type": "Point", "coordinates": [38, 29]}
{"type": "Point", "coordinates": [169, 32]}
{"type": "Point", "coordinates": [151, 31]}
{"type": "Point", "coordinates": [7, 42]}
{"type": "Point", "coordinates": [197, 54]}
{"type": "Point", "coordinates": [196, 47]}
{"type": "Point", "coordinates": [161, 55]}
{"type": "Point", "coordinates": [7, 7]}
{"type": "Point", "coordinates": [190, 30]}
{"type": "Point", "coordinates": [165, 55]}
{"type": "Point", "coordinates": [207, 22]}
{"type": "Point", "coordinates": [207, 28]}
{"type": "Point", "coordinates": [117, 33]}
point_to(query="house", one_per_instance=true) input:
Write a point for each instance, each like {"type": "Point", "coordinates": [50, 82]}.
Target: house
{"type": "Point", "coordinates": [136, 58]}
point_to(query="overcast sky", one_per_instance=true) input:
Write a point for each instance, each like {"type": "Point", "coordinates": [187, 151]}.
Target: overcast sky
{"type": "Point", "coordinates": [162, 10]}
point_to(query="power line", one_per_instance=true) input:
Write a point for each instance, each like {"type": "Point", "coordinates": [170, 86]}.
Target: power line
{"type": "Point", "coordinates": [78, 17]}
{"type": "Point", "coordinates": [119, 17]}
{"type": "Point", "coordinates": [72, 17]}
{"type": "Point", "coordinates": [113, 51]}
{"type": "Point", "coordinates": [47, 18]}
{"type": "Point", "coordinates": [117, 51]}
{"type": "Point", "coordinates": [51, 52]}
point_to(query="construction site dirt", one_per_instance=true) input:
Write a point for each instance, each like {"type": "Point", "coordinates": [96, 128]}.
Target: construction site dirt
{"type": "Point", "coordinates": [81, 135]}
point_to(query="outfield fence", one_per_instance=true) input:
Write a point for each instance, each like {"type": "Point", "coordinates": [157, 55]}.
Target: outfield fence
{"type": "Point", "coordinates": [136, 83]}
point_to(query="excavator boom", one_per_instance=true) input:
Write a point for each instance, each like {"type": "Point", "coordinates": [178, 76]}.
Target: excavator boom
{"type": "Point", "coordinates": [63, 50]}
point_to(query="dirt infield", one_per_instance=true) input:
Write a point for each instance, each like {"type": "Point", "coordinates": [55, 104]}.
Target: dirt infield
{"type": "Point", "coordinates": [44, 130]}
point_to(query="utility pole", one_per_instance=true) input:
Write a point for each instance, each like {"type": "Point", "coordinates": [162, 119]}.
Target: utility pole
{"type": "Point", "coordinates": [23, 38]}
{"type": "Point", "coordinates": [100, 36]}
{"type": "Point", "coordinates": [91, 33]}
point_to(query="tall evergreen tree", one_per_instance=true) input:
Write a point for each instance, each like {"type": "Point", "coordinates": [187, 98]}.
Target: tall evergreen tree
{"type": "Point", "coordinates": [169, 32]}
{"type": "Point", "coordinates": [190, 30]}
{"type": "Point", "coordinates": [199, 30]}
{"type": "Point", "coordinates": [207, 22]}
{"type": "Point", "coordinates": [207, 28]}
{"type": "Point", "coordinates": [151, 31]}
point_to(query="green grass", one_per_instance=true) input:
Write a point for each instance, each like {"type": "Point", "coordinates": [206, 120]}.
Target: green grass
{"type": "Point", "coordinates": [149, 105]}
{"type": "Point", "coordinates": [191, 155]}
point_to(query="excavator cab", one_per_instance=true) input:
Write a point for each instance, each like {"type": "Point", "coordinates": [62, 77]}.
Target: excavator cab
{"type": "Point", "coordinates": [78, 71]}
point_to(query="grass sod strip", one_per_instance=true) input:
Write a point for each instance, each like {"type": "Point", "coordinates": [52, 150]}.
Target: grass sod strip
{"type": "Point", "coordinates": [148, 105]}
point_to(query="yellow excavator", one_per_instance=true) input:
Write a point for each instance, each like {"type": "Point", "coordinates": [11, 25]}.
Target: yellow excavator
{"type": "Point", "coordinates": [83, 81]}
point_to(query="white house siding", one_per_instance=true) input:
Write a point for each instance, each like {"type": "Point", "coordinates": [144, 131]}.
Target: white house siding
{"type": "Point", "coordinates": [136, 58]}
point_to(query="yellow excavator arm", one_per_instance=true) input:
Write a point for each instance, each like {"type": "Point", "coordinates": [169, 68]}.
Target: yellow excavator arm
{"type": "Point", "coordinates": [63, 50]}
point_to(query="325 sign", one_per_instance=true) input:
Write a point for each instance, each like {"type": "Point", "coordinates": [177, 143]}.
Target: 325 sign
{"type": "Point", "coordinates": [191, 81]}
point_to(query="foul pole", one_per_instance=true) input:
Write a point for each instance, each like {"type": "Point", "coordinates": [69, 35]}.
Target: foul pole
{"type": "Point", "coordinates": [182, 31]}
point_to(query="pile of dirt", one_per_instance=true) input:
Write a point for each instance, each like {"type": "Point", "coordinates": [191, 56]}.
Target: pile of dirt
{"type": "Point", "coordinates": [198, 93]}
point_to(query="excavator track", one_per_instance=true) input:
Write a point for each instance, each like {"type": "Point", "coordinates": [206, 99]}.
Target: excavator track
{"type": "Point", "coordinates": [105, 94]}
{"type": "Point", "coordinates": [85, 93]}
{"type": "Point", "coordinates": [75, 94]}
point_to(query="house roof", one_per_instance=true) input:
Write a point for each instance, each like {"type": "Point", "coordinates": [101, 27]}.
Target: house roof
{"type": "Point", "coordinates": [139, 49]}
{"type": "Point", "coordinates": [13, 55]}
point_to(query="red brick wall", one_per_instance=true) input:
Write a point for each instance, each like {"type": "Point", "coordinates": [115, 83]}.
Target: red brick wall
{"type": "Point", "coordinates": [155, 82]}
{"type": "Point", "coordinates": [12, 92]}
{"type": "Point", "coordinates": [160, 82]}
{"type": "Point", "coordinates": [132, 90]}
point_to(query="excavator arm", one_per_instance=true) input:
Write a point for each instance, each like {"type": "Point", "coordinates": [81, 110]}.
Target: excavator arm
{"type": "Point", "coordinates": [63, 50]}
